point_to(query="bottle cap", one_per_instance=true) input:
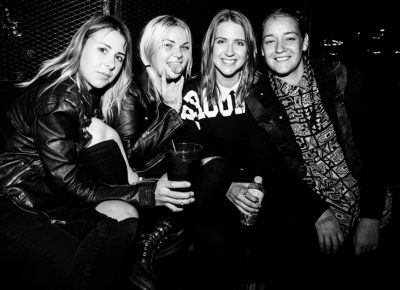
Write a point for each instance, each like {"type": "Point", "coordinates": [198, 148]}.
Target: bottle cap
{"type": "Point", "coordinates": [258, 179]}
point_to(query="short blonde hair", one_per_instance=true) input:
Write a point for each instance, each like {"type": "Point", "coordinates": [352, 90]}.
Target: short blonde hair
{"type": "Point", "coordinates": [151, 39]}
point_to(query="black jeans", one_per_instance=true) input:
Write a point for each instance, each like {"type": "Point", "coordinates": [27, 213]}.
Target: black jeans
{"type": "Point", "coordinates": [217, 240]}
{"type": "Point", "coordinates": [89, 251]}
{"type": "Point", "coordinates": [68, 247]}
{"type": "Point", "coordinates": [227, 255]}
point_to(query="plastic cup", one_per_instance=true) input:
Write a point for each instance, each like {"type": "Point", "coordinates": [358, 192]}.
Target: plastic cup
{"type": "Point", "coordinates": [183, 163]}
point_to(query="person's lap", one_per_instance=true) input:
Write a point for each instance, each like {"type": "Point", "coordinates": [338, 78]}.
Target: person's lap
{"type": "Point", "coordinates": [33, 251]}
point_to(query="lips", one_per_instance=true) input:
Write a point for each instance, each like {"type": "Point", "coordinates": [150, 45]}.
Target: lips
{"type": "Point", "coordinates": [282, 58]}
{"type": "Point", "coordinates": [105, 75]}
{"type": "Point", "coordinates": [228, 61]}
{"type": "Point", "coordinates": [176, 67]}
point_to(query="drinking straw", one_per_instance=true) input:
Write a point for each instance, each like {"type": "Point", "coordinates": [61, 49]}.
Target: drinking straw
{"type": "Point", "coordinates": [173, 145]}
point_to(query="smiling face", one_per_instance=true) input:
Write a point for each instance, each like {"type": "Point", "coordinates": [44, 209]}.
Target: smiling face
{"type": "Point", "coordinates": [102, 58]}
{"type": "Point", "coordinates": [173, 54]}
{"type": "Point", "coordinates": [283, 47]}
{"type": "Point", "coordinates": [229, 52]}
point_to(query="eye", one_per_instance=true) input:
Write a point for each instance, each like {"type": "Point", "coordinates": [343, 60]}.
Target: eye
{"type": "Point", "coordinates": [167, 45]}
{"type": "Point", "coordinates": [219, 41]}
{"type": "Point", "coordinates": [120, 58]}
{"type": "Point", "coordinates": [240, 43]}
{"type": "Point", "coordinates": [103, 50]}
{"type": "Point", "coordinates": [291, 38]}
{"type": "Point", "coordinates": [185, 47]}
{"type": "Point", "coordinates": [269, 41]}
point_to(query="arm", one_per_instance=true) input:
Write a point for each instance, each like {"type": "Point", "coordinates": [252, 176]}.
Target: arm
{"type": "Point", "coordinates": [56, 131]}
{"type": "Point", "coordinates": [280, 177]}
{"type": "Point", "coordinates": [143, 139]}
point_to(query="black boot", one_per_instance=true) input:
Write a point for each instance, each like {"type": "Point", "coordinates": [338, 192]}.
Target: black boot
{"type": "Point", "coordinates": [143, 276]}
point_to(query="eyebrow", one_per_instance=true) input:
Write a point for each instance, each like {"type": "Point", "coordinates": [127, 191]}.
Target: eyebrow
{"type": "Point", "coordinates": [109, 47]}
{"type": "Point", "coordinates": [236, 39]}
{"type": "Point", "coordinates": [286, 33]}
{"type": "Point", "coordinates": [170, 40]}
{"type": "Point", "coordinates": [173, 41]}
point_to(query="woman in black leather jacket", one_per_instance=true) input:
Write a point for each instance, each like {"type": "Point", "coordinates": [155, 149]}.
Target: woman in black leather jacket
{"type": "Point", "coordinates": [61, 227]}
{"type": "Point", "coordinates": [149, 119]}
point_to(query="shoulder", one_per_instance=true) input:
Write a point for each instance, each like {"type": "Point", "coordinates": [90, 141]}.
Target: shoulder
{"type": "Point", "coordinates": [63, 97]}
{"type": "Point", "coordinates": [191, 85]}
{"type": "Point", "coordinates": [136, 96]}
{"type": "Point", "coordinates": [260, 79]}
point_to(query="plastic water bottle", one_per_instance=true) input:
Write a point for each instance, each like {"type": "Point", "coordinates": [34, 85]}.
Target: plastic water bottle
{"type": "Point", "coordinates": [256, 189]}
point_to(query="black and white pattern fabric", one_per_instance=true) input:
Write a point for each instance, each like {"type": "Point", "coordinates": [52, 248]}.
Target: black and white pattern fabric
{"type": "Point", "coordinates": [327, 171]}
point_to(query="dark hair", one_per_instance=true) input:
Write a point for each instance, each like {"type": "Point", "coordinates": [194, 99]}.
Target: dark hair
{"type": "Point", "coordinates": [295, 14]}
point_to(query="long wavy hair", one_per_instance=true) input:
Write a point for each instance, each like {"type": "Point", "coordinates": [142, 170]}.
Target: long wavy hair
{"type": "Point", "coordinates": [150, 42]}
{"type": "Point", "coordinates": [66, 65]}
{"type": "Point", "coordinates": [208, 83]}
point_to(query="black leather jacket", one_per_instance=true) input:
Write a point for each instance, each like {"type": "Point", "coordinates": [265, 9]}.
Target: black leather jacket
{"type": "Point", "coordinates": [145, 127]}
{"type": "Point", "coordinates": [41, 143]}
{"type": "Point", "coordinates": [343, 93]}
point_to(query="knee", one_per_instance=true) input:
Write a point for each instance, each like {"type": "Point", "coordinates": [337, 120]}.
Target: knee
{"type": "Point", "coordinates": [100, 132]}
{"type": "Point", "coordinates": [117, 209]}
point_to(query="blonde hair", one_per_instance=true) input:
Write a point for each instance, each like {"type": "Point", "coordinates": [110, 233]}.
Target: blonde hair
{"type": "Point", "coordinates": [151, 39]}
{"type": "Point", "coordinates": [66, 65]}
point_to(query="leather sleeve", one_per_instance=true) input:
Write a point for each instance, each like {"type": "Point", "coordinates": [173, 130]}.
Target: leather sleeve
{"type": "Point", "coordinates": [56, 132]}
{"type": "Point", "coordinates": [144, 133]}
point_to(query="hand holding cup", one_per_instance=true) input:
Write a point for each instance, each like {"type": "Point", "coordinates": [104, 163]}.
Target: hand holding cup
{"type": "Point", "coordinates": [183, 163]}
{"type": "Point", "coordinates": [167, 195]}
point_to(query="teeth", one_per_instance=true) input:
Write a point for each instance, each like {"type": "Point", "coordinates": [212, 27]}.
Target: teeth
{"type": "Point", "coordinates": [228, 61]}
{"type": "Point", "coordinates": [282, 58]}
{"type": "Point", "coordinates": [176, 67]}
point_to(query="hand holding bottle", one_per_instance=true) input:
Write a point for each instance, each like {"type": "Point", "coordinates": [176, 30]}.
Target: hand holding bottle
{"type": "Point", "coordinates": [255, 192]}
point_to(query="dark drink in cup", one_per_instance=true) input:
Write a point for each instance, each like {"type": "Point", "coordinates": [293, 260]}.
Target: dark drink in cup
{"type": "Point", "coordinates": [183, 162]}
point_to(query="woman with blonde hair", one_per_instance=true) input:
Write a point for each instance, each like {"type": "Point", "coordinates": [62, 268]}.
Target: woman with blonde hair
{"type": "Point", "coordinates": [147, 122]}
{"type": "Point", "coordinates": [214, 111]}
{"type": "Point", "coordinates": [61, 225]}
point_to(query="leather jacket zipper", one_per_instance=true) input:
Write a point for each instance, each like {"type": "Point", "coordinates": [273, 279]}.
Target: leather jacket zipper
{"type": "Point", "coordinates": [52, 221]}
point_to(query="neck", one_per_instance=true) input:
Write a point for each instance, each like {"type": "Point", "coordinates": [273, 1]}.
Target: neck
{"type": "Point", "coordinates": [227, 82]}
{"type": "Point", "coordinates": [294, 77]}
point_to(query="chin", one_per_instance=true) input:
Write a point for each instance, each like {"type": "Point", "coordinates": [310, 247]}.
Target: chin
{"type": "Point", "coordinates": [172, 77]}
{"type": "Point", "coordinates": [282, 70]}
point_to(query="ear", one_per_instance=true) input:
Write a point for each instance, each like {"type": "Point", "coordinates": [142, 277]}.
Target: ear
{"type": "Point", "coordinates": [305, 42]}
{"type": "Point", "coordinates": [262, 51]}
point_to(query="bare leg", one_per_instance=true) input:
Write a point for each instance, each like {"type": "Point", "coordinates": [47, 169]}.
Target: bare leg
{"type": "Point", "coordinates": [100, 132]}
{"type": "Point", "coordinates": [117, 209]}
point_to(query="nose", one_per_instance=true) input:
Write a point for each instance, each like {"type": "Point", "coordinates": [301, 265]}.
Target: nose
{"type": "Point", "coordinates": [178, 52]}
{"type": "Point", "coordinates": [280, 46]}
{"type": "Point", "coordinates": [229, 49]}
{"type": "Point", "coordinates": [110, 64]}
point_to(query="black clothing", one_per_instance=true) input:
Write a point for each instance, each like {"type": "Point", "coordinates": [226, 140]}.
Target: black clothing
{"type": "Point", "coordinates": [289, 208]}
{"type": "Point", "coordinates": [51, 236]}
{"type": "Point", "coordinates": [103, 162]}
{"type": "Point", "coordinates": [343, 94]}
{"type": "Point", "coordinates": [40, 147]}
{"type": "Point", "coordinates": [145, 127]}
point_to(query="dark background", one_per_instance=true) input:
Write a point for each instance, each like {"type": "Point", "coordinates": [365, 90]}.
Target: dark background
{"type": "Point", "coordinates": [34, 30]}
{"type": "Point", "coordinates": [368, 34]}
